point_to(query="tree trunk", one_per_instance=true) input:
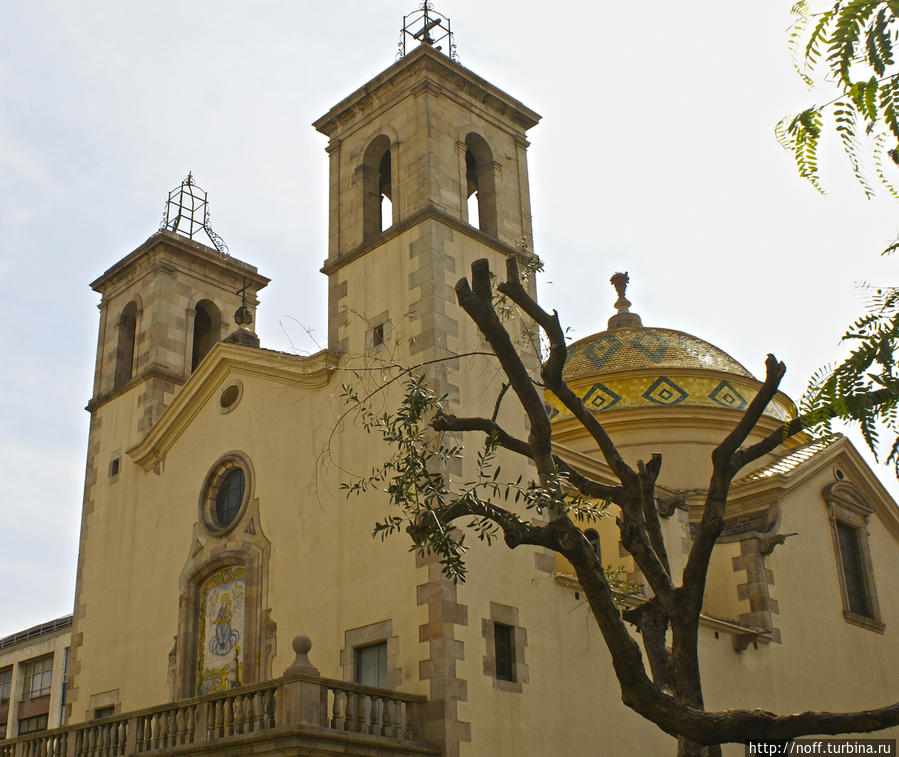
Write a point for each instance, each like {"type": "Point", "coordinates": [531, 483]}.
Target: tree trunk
{"type": "Point", "coordinates": [687, 748]}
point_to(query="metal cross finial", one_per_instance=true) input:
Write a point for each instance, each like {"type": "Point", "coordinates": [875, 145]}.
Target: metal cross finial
{"type": "Point", "coordinates": [243, 292]}
{"type": "Point", "coordinates": [243, 316]}
{"type": "Point", "coordinates": [187, 213]}
{"type": "Point", "coordinates": [427, 26]}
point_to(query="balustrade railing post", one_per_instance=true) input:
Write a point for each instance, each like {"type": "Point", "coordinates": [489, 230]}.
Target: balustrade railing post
{"type": "Point", "coordinates": [303, 700]}
{"type": "Point", "coordinates": [131, 735]}
{"type": "Point", "coordinates": [200, 722]}
{"type": "Point", "coordinates": [415, 720]}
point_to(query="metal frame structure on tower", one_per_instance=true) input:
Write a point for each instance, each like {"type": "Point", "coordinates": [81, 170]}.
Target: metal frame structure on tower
{"type": "Point", "coordinates": [187, 213]}
{"type": "Point", "coordinates": [427, 26]}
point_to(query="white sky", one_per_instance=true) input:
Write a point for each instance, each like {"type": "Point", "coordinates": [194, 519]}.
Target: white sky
{"type": "Point", "coordinates": [656, 156]}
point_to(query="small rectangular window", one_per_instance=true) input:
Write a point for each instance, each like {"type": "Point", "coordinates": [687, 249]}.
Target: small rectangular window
{"type": "Point", "coordinates": [32, 725]}
{"type": "Point", "coordinates": [503, 637]}
{"type": "Point", "coordinates": [5, 685]}
{"type": "Point", "coordinates": [37, 675]}
{"type": "Point", "coordinates": [371, 665]}
{"type": "Point", "coordinates": [853, 570]}
{"type": "Point", "coordinates": [377, 335]}
{"type": "Point", "coordinates": [114, 467]}
{"type": "Point", "coordinates": [2, 730]}
{"type": "Point", "coordinates": [104, 712]}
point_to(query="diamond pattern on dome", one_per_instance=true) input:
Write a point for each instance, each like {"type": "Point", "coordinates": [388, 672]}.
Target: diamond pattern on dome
{"type": "Point", "coordinates": [663, 391]}
{"type": "Point", "coordinates": [551, 412]}
{"type": "Point", "coordinates": [600, 351]}
{"type": "Point", "coordinates": [600, 397]}
{"type": "Point", "coordinates": [651, 344]}
{"type": "Point", "coordinates": [726, 396]}
{"type": "Point", "coordinates": [634, 349]}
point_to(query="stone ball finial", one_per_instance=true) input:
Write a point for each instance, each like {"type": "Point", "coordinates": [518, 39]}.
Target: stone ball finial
{"type": "Point", "coordinates": [243, 316]}
{"type": "Point", "coordinates": [301, 646]}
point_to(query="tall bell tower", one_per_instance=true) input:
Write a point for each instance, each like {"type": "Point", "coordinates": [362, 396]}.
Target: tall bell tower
{"type": "Point", "coordinates": [428, 173]}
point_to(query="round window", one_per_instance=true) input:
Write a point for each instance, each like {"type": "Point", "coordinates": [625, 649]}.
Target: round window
{"type": "Point", "coordinates": [230, 397]}
{"type": "Point", "coordinates": [225, 493]}
{"type": "Point", "coordinates": [229, 497]}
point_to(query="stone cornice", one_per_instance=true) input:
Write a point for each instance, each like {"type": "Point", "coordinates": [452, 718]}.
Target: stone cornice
{"type": "Point", "coordinates": [151, 372]}
{"type": "Point", "coordinates": [312, 371]}
{"type": "Point", "coordinates": [187, 251]}
{"type": "Point", "coordinates": [434, 67]}
{"type": "Point", "coordinates": [653, 418]}
{"type": "Point", "coordinates": [843, 454]}
{"type": "Point", "coordinates": [430, 212]}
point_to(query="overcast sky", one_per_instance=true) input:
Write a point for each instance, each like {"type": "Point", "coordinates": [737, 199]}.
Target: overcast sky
{"type": "Point", "coordinates": [655, 155]}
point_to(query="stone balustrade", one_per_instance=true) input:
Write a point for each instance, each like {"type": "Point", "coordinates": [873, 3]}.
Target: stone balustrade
{"type": "Point", "coordinates": [297, 709]}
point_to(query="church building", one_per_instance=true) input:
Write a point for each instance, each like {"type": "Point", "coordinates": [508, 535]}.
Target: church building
{"type": "Point", "coordinates": [230, 599]}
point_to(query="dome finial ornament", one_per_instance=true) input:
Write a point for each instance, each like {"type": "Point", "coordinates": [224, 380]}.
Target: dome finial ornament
{"type": "Point", "coordinates": [624, 318]}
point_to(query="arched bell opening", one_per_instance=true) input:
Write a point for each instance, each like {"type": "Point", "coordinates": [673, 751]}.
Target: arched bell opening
{"type": "Point", "coordinates": [481, 179]}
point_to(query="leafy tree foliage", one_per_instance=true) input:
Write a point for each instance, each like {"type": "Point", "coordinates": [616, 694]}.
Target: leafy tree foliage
{"type": "Point", "coordinates": [864, 388]}
{"type": "Point", "coordinates": [851, 46]}
{"type": "Point", "coordinates": [847, 49]}
{"type": "Point", "coordinates": [438, 513]}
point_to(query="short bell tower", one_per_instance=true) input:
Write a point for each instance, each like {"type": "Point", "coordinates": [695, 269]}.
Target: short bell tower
{"type": "Point", "coordinates": [166, 304]}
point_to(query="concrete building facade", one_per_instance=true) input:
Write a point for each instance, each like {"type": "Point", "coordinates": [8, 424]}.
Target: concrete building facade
{"type": "Point", "coordinates": [33, 672]}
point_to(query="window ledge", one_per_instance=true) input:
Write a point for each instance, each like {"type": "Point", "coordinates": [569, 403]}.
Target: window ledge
{"type": "Point", "coordinates": [864, 622]}
{"type": "Point", "coordinates": [504, 685]}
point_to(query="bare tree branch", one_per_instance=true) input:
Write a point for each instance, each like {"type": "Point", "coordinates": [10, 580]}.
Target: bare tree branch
{"type": "Point", "coordinates": [771, 442]}
{"type": "Point", "coordinates": [552, 371]}
{"type": "Point", "coordinates": [477, 301]}
{"type": "Point", "coordinates": [648, 475]}
{"type": "Point", "coordinates": [633, 532]}
{"type": "Point", "coordinates": [586, 486]}
{"type": "Point", "coordinates": [515, 530]}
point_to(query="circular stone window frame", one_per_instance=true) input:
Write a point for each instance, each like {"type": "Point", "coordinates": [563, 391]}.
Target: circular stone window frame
{"type": "Point", "coordinates": [236, 384]}
{"type": "Point", "coordinates": [210, 489]}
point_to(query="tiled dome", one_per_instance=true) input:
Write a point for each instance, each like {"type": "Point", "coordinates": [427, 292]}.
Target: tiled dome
{"type": "Point", "coordinates": [630, 366]}
{"type": "Point", "coordinates": [632, 349]}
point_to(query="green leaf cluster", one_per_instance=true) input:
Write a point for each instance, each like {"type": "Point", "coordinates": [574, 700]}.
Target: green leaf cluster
{"type": "Point", "coordinates": [850, 48]}
{"type": "Point", "coordinates": [864, 388]}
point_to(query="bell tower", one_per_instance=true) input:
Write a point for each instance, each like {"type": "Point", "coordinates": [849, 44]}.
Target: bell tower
{"type": "Point", "coordinates": [427, 145]}
{"type": "Point", "coordinates": [166, 304]}
{"type": "Point", "coordinates": [428, 173]}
